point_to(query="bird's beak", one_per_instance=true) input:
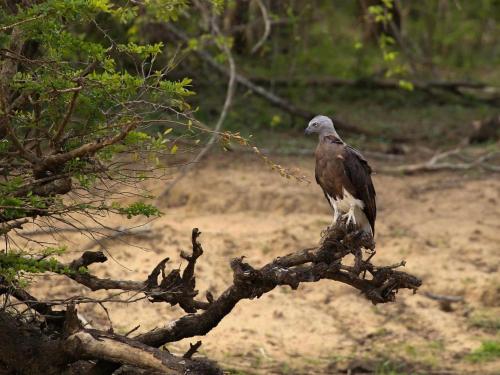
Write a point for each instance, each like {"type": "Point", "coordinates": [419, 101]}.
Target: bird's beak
{"type": "Point", "coordinates": [307, 131]}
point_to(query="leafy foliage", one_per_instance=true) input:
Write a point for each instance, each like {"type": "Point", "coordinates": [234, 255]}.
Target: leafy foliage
{"type": "Point", "coordinates": [15, 265]}
{"type": "Point", "coordinates": [137, 209]}
{"type": "Point", "coordinates": [81, 93]}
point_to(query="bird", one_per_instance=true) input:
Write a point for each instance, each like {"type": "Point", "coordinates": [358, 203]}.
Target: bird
{"type": "Point", "coordinates": [345, 177]}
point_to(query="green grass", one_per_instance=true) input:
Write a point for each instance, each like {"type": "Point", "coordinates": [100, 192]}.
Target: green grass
{"type": "Point", "coordinates": [488, 351]}
{"type": "Point", "coordinates": [486, 320]}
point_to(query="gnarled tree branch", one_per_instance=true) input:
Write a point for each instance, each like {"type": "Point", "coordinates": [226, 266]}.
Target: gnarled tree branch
{"type": "Point", "coordinates": [327, 261]}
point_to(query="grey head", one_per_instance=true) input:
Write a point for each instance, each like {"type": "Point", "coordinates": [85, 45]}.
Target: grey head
{"type": "Point", "coordinates": [322, 125]}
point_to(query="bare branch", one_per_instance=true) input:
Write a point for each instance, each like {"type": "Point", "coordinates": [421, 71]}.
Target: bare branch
{"type": "Point", "coordinates": [193, 348]}
{"type": "Point", "coordinates": [14, 224]}
{"type": "Point", "coordinates": [56, 353]}
{"type": "Point", "coordinates": [51, 162]}
{"type": "Point", "coordinates": [440, 297]}
{"type": "Point", "coordinates": [92, 344]}
{"type": "Point", "coordinates": [26, 20]}
{"type": "Point", "coordinates": [437, 163]}
{"type": "Point", "coordinates": [76, 91]}
{"type": "Point", "coordinates": [308, 265]}
{"type": "Point", "coordinates": [267, 26]}
{"type": "Point", "coordinates": [67, 115]}
{"type": "Point", "coordinates": [172, 288]}
{"type": "Point", "coordinates": [445, 302]}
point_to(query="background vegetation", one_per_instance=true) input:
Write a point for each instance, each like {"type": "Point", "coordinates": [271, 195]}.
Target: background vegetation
{"type": "Point", "coordinates": [97, 98]}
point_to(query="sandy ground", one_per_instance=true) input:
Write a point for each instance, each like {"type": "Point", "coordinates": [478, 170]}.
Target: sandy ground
{"type": "Point", "coordinates": [446, 226]}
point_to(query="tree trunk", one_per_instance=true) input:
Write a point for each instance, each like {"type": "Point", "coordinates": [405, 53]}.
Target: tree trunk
{"type": "Point", "coordinates": [26, 350]}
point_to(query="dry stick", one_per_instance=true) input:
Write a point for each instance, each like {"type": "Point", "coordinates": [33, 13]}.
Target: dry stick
{"type": "Point", "coordinates": [76, 91]}
{"type": "Point", "coordinates": [118, 231]}
{"type": "Point", "coordinates": [172, 288]}
{"type": "Point", "coordinates": [267, 27]}
{"type": "Point", "coordinates": [440, 297]}
{"type": "Point", "coordinates": [5, 28]}
{"type": "Point", "coordinates": [193, 348]}
{"type": "Point", "coordinates": [435, 164]}
{"type": "Point", "coordinates": [67, 116]}
{"type": "Point", "coordinates": [310, 152]}
{"type": "Point", "coordinates": [91, 344]}
{"type": "Point", "coordinates": [55, 160]}
{"type": "Point", "coordinates": [20, 294]}
{"type": "Point", "coordinates": [262, 92]}
{"type": "Point", "coordinates": [227, 103]}
{"type": "Point", "coordinates": [445, 302]}
{"type": "Point", "coordinates": [6, 227]}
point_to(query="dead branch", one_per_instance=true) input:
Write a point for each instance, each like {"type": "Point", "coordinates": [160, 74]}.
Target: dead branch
{"type": "Point", "coordinates": [267, 27]}
{"type": "Point", "coordinates": [172, 288]}
{"type": "Point", "coordinates": [438, 163]}
{"type": "Point", "coordinates": [440, 297]}
{"type": "Point", "coordinates": [453, 87]}
{"type": "Point", "coordinates": [52, 162]}
{"type": "Point", "coordinates": [193, 348]}
{"type": "Point", "coordinates": [445, 302]}
{"type": "Point", "coordinates": [20, 342]}
{"type": "Point", "coordinates": [308, 265]}
{"type": "Point", "coordinates": [6, 227]}
{"type": "Point", "coordinates": [93, 344]}
{"type": "Point", "coordinates": [117, 232]}
{"type": "Point", "coordinates": [44, 309]}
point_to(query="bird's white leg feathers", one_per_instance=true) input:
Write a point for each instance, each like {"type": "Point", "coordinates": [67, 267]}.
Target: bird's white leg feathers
{"type": "Point", "coordinates": [351, 209]}
{"type": "Point", "coordinates": [336, 212]}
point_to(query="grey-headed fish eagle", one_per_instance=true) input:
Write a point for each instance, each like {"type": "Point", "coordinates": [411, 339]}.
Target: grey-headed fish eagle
{"type": "Point", "coordinates": [345, 177]}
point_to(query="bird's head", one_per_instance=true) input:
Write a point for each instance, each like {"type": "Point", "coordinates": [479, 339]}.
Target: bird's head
{"type": "Point", "coordinates": [321, 125]}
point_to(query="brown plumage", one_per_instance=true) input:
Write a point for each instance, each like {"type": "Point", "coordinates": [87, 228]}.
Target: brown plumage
{"type": "Point", "coordinates": [344, 175]}
{"type": "Point", "coordinates": [341, 168]}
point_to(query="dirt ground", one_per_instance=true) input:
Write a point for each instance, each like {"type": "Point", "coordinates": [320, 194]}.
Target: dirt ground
{"type": "Point", "coordinates": [445, 225]}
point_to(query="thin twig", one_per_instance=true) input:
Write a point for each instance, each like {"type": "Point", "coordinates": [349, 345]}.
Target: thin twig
{"type": "Point", "coordinates": [225, 108]}
{"type": "Point", "coordinates": [267, 27]}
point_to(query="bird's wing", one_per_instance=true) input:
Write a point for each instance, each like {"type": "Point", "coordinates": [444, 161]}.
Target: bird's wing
{"type": "Point", "coordinates": [358, 171]}
{"type": "Point", "coordinates": [330, 169]}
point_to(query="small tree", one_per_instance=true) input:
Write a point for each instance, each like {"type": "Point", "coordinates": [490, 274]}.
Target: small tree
{"type": "Point", "coordinates": [78, 110]}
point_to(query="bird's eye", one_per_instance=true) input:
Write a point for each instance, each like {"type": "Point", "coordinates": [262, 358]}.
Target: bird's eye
{"type": "Point", "coordinates": [315, 124]}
